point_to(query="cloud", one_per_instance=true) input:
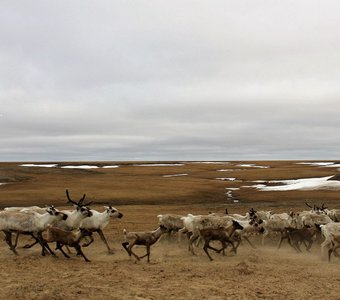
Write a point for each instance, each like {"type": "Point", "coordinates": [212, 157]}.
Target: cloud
{"type": "Point", "coordinates": [169, 80]}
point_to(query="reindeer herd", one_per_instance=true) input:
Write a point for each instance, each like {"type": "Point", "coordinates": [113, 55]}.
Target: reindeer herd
{"type": "Point", "coordinates": [69, 227]}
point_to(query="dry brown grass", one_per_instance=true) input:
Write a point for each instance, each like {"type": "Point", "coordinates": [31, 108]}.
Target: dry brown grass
{"type": "Point", "coordinates": [141, 193]}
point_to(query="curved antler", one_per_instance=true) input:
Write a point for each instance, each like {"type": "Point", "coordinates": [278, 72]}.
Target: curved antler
{"type": "Point", "coordinates": [69, 199]}
{"type": "Point", "coordinates": [80, 202]}
{"type": "Point", "coordinates": [86, 204]}
{"type": "Point", "coordinates": [309, 205]}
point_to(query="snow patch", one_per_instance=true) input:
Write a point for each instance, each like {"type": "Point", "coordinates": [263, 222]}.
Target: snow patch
{"type": "Point", "coordinates": [158, 165]}
{"type": "Point", "coordinates": [227, 179]}
{"type": "Point", "coordinates": [110, 167]}
{"type": "Point", "coordinates": [39, 166]}
{"type": "Point", "coordinates": [253, 166]}
{"type": "Point", "coordinates": [80, 167]}
{"type": "Point", "coordinates": [305, 184]}
{"type": "Point", "coordinates": [175, 175]}
{"type": "Point", "coordinates": [316, 164]}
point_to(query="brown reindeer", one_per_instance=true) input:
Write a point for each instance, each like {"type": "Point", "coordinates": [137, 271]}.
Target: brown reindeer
{"type": "Point", "coordinates": [220, 234]}
{"type": "Point", "coordinates": [145, 238]}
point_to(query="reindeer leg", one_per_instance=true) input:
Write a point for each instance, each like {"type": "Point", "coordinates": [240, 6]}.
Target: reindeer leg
{"type": "Point", "coordinates": [310, 243]}
{"type": "Point", "coordinates": [224, 245]}
{"type": "Point", "coordinates": [205, 248]}
{"type": "Point", "coordinates": [297, 246]}
{"type": "Point", "coordinates": [89, 242]}
{"type": "Point", "coordinates": [79, 251]}
{"type": "Point", "coordinates": [8, 239]}
{"type": "Point", "coordinates": [238, 240]}
{"type": "Point", "coordinates": [130, 251]}
{"type": "Point", "coordinates": [283, 237]}
{"type": "Point", "coordinates": [44, 245]}
{"type": "Point", "coordinates": [335, 253]}
{"type": "Point", "coordinates": [147, 253]}
{"type": "Point", "coordinates": [60, 247]}
{"type": "Point", "coordinates": [250, 243]}
{"type": "Point", "coordinates": [264, 236]}
{"type": "Point", "coordinates": [329, 254]}
{"type": "Point", "coordinates": [101, 234]}
{"type": "Point", "coordinates": [16, 240]}
{"type": "Point", "coordinates": [126, 247]}
{"type": "Point", "coordinates": [34, 243]}
{"type": "Point", "coordinates": [232, 245]}
{"type": "Point", "coordinates": [192, 239]}
{"type": "Point", "coordinates": [212, 248]}
{"type": "Point", "coordinates": [180, 232]}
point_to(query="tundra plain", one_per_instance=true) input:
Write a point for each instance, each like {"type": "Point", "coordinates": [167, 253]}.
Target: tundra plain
{"type": "Point", "coordinates": [143, 190]}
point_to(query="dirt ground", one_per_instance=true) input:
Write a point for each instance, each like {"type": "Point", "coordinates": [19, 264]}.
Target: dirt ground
{"type": "Point", "coordinates": [173, 273]}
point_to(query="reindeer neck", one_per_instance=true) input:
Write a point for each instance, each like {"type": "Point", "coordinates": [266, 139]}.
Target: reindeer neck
{"type": "Point", "coordinates": [231, 230]}
{"type": "Point", "coordinates": [157, 233]}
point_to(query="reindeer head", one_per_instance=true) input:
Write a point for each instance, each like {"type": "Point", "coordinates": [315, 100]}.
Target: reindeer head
{"type": "Point", "coordinates": [54, 212]}
{"type": "Point", "coordinates": [252, 213]}
{"type": "Point", "coordinates": [113, 212]}
{"type": "Point", "coordinates": [163, 228]}
{"type": "Point", "coordinates": [237, 225]}
{"type": "Point", "coordinates": [323, 208]}
{"type": "Point", "coordinates": [85, 211]}
{"type": "Point", "coordinates": [51, 209]}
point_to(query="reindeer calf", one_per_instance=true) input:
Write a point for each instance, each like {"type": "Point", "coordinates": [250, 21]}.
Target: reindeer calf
{"type": "Point", "coordinates": [67, 238]}
{"type": "Point", "coordinates": [297, 236]}
{"type": "Point", "coordinates": [146, 238]}
{"type": "Point", "coordinates": [335, 240]}
{"type": "Point", "coordinates": [220, 234]}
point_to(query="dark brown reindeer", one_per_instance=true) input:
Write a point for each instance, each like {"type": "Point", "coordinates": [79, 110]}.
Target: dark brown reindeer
{"type": "Point", "coordinates": [305, 235]}
{"type": "Point", "coordinates": [67, 238]}
{"type": "Point", "coordinates": [223, 235]}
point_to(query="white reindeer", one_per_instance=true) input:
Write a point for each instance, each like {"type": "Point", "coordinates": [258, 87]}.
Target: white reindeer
{"type": "Point", "coordinates": [73, 219]}
{"type": "Point", "coordinates": [32, 223]}
{"type": "Point", "coordinates": [98, 221]}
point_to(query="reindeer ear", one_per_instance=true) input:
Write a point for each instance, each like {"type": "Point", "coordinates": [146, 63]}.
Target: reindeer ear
{"type": "Point", "coordinates": [106, 207]}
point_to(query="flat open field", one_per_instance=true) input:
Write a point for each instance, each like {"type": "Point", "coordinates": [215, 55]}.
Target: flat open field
{"type": "Point", "coordinates": [141, 193]}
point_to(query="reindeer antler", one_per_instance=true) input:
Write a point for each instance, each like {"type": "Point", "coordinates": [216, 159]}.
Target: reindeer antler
{"type": "Point", "coordinates": [309, 205]}
{"type": "Point", "coordinates": [69, 199]}
{"type": "Point", "coordinates": [80, 202]}
{"type": "Point", "coordinates": [86, 204]}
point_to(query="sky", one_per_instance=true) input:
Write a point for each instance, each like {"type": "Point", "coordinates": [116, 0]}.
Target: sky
{"type": "Point", "coordinates": [169, 80]}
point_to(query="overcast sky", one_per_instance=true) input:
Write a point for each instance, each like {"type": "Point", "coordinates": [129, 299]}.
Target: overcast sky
{"type": "Point", "coordinates": [169, 80]}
